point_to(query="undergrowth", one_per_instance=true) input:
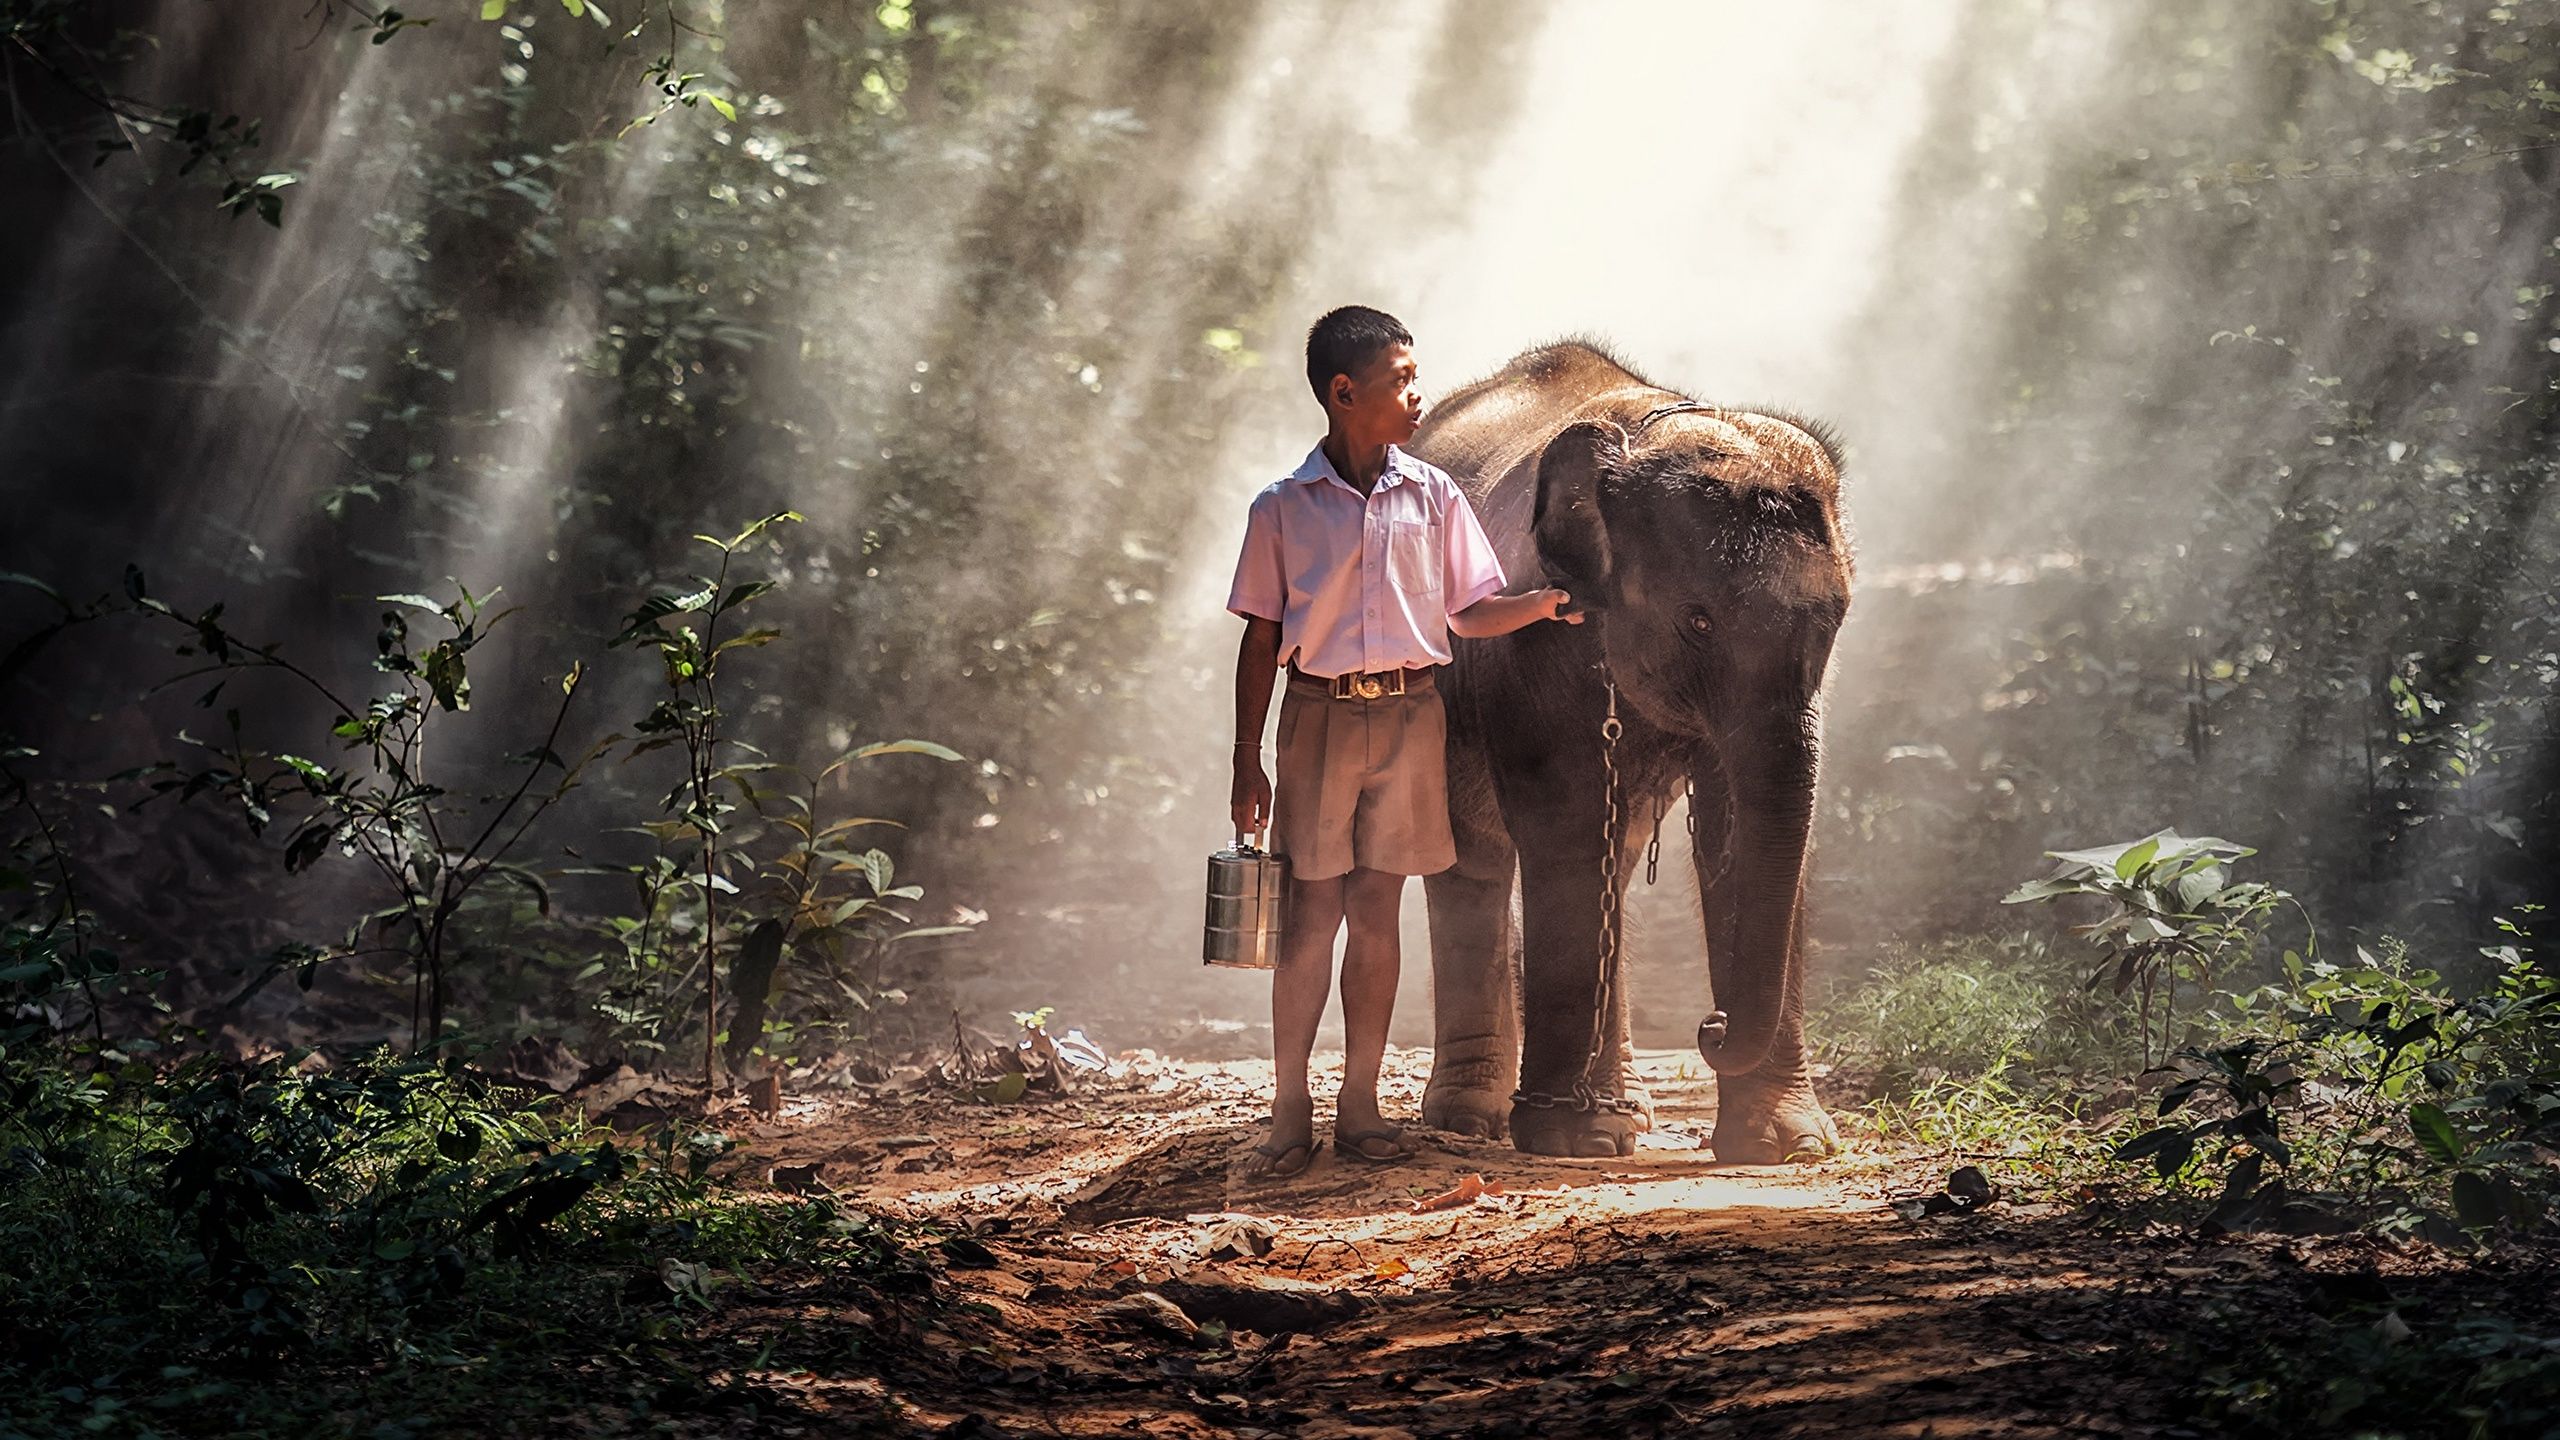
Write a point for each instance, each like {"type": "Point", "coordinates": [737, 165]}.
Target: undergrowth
{"type": "Point", "coordinates": [388, 1249]}
{"type": "Point", "coordinates": [2187, 1065]}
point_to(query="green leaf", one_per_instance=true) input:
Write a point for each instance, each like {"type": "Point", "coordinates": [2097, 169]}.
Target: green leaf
{"type": "Point", "coordinates": [645, 618]}
{"type": "Point", "coordinates": [778, 517]}
{"type": "Point", "coordinates": [2435, 1133]}
{"type": "Point", "coordinates": [2151, 1142]}
{"type": "Point", "coordinates": [727, 111]}
{"type": "Point", "coordinates": [759, 636]}
{"type": "Point", "coordinates": [903, 747]}
{"type": "Point", "coordinates": [493, 9]}
{"type": "Point", "coordinates": [532, 883]}
{"type": "Point", "coordinates": [928, 932]}
{"type": "Point", "coordinates": [740, 594]}
{"type": "Point", "coordinates": [2178, 1094]}
{"type": "Point", "coordinates": [2103, 857]}
{"type": "Point", "coordinates": [575, 7]}
{"type": "Point", "coordinates": [415, 602]}
{"type": "Point", "coordinates": [2130, 863]}
{"type": "Point", "coordinates": [1004, 1089]}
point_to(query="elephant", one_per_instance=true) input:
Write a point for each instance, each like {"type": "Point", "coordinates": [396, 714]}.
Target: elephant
{"type": "Point", "coordinates": [1708, 548]}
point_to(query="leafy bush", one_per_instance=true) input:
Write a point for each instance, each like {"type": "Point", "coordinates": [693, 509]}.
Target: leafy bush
{"type": "Point", "coordinates": [2418, 1110]}
{"type": "Point", "coordinates": [1974, 1007]}
{"type": "Point", "coordinates": [168, 1239]}
{"type": "Point", "coordinates": [2368, 1372]}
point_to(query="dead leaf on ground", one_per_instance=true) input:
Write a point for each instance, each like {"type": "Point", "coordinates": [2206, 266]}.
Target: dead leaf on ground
{"type": "Point", "coordinates": [1149, 1312]}
{"type": "Point", "coordinates": [1466, 1192]}
{"type": "Point", "coordinates": [1239, 1237]}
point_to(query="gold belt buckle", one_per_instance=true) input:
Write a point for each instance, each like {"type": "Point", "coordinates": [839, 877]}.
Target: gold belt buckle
{"type": "Point", "coordinates": [1373, 686]}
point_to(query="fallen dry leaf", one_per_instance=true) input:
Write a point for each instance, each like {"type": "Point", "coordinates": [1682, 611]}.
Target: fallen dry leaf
{"type": "Point", "coordinates": [1465, 1192]}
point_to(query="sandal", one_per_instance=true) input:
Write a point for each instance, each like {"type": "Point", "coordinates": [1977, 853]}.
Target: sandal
{"type": "Point", "coordinates": [1353, 1147]}
{"type": "Point", "coordinates": [1277, 1166]}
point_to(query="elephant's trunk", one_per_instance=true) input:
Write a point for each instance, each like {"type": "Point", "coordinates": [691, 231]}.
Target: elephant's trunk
{"type": "Point", "coordinates": [1771, 767]}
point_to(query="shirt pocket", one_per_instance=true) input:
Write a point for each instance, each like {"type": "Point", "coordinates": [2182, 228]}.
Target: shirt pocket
{"type": "Point", "coordinates": [1414, 561]}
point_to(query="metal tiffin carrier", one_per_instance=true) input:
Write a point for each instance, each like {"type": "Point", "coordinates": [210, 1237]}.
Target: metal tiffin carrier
{"type": "Point", "coordinates": [1248, 886]}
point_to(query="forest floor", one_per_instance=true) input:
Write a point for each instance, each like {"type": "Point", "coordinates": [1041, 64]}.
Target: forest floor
{"type": "Point", "coordinates": [1661, 1294]}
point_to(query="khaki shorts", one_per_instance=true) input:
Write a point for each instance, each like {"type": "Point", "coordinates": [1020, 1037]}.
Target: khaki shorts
{"type": "Point", "coordinates": [1363, 783]}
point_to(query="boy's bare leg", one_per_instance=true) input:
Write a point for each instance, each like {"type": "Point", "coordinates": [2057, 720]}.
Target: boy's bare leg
{"type": "Point", "coordinates": [1373, 902]}
{"type": "Point", "coordinates": [1299, 986]}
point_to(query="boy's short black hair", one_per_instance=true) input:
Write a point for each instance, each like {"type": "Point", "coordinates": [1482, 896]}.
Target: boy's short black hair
{"type": "Point", "coordinates": [1346, 339]}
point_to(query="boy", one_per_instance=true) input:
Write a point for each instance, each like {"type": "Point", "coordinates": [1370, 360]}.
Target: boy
{"type": "Point", "coordinates": [1355, 571]}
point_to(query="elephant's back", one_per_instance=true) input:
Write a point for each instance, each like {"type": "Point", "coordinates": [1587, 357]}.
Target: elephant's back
{"type": "Point", "coordinates": [1489, 435]}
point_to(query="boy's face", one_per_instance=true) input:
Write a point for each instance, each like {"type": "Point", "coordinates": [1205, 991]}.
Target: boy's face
{"type": "Point", "coordinates": [1382, 404]}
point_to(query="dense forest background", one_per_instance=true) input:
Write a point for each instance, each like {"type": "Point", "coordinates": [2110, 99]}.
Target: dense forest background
{"type": "Point", "coordinates": [591, 597]}
{"type": "Point", "coordinates": [2197, 362]}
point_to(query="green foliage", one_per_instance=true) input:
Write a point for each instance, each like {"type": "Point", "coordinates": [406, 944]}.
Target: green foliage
{"type": "Point", "coordinates": [410, 1243]}
{"type": "Point", "coordinates": [762, 832]}
{"type": "Point", "coordinates": [2173, 915]}
{"type": "Point", "coordinates": [2265, 464]}
{"type": "Point", "coordinates": [431, 850]}
{"type": "Point", "coordinates": [2422, 1111]}
{"type": "Point", "coordinates": [800, 879]}
{"type": "Point", "coordinates": [64, 46]}
{"type": "Point", "coordinates": [1968, 1008]}
{"type": "Point", "coordinates": [1986, 1048]}
{"type": "Point", "coordinates": [2366, 1371]}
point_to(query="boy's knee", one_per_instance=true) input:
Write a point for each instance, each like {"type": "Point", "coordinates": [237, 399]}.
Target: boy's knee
{"type": "Point", "coordinates": [1373, 894]}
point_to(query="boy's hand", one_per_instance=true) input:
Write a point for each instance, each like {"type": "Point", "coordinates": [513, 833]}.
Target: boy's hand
{"type": "Point", "coordinates": [1559, 606]}
{"type": "Point", "coordinates": [1250, 797]}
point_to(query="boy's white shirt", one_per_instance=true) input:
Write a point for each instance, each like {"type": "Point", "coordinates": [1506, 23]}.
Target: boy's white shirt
{"type": "Point", "coordinates": [1363, 582]}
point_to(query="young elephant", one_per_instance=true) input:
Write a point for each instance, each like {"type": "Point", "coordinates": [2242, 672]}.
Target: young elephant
{"type": "Point", "coordinates": [1708, 546]}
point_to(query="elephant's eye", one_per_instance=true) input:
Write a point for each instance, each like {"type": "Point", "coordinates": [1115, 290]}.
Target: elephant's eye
{"type": "Point", "coordinates": [1699, 622]}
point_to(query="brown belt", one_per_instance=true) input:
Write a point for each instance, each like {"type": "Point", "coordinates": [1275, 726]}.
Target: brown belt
{"type": "Point", "coordinates": [1369, 685]}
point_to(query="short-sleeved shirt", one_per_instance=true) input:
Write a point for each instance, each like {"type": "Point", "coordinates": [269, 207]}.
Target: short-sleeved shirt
{"type": "Point", "coordinates": [1363, 582]}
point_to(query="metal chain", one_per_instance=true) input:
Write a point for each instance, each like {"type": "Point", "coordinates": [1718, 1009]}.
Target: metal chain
{"type": "Point", "coordinates": [1586, 1092]}
{"type": "Point", "coordinates": [1604, 998]}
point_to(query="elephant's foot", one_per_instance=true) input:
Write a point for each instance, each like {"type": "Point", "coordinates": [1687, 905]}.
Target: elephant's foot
{"type": "Point", "coordinates": [1770, 1123]}
{"type": "Point", "coordinates": [1563, 1130]}
{"type": "Point", "coordinates": [1466, 1110]}
{"type": "Point", "coordinates": [1469, 1095]}
{"type": "Point", "coordinates": [1642, 1099]}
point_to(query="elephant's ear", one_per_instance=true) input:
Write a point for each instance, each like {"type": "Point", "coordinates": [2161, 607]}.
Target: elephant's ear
{"type": "Point", "coordinates": [1573, 540]}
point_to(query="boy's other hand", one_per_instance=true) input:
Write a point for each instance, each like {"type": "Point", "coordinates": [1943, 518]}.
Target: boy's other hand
{"type": "Point", "coordinates": [1250, 798]}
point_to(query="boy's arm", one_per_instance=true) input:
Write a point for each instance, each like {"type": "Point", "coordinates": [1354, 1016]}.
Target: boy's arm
{"type": "Point", "coordinates": [1473, 576]}
{"type": "Point", "coordinates": [1257, 667]}
{"type": "Point", "coordinates": [1502, 614]}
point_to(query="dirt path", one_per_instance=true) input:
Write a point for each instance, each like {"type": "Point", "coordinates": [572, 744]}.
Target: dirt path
{"type": "Point", "coordinates": [1655, 1295]}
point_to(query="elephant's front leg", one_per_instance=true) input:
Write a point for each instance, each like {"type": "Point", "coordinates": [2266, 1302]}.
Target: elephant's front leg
{"type": "Point", "coordinates": [1475, 956]}
{"type": "Point", "coordinates": [1771, 1114]}
{"type": "Point", "coordinates": [1564, 1027]}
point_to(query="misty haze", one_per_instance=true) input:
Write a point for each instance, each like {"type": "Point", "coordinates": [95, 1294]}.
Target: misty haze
{"type": "Point", "coordinates": [631, 637]}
